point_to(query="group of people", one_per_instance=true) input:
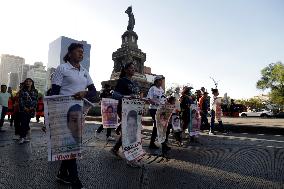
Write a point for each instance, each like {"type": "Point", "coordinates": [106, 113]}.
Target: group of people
{"type": "Point", "coordinates": [21, 107]}
{"type": "Point", "coordinates": [73, 79]}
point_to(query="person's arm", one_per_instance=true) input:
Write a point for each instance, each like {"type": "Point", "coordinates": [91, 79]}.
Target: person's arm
{"type": "Point", "coordinates": [34, 99]}
{"type": "Point", "coordinates": [92, 92]}
{"type": "Point", "coordinates": [57, 81]}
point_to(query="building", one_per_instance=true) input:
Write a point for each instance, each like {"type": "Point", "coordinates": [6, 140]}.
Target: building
{"type": "Point", "coordinates": [38, 74]}
{"type": "Point", "coordinates": [13, 80]}
{"type": "Point", "coordinates": [59, 48]}
{"type": "Point", "coordinates": [9, 64]}
{"type": "Point", "coordinates": [23, 72]}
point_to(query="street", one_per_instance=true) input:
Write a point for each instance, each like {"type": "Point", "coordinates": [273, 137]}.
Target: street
{"type": "Point", "coordinates": [235, 160]}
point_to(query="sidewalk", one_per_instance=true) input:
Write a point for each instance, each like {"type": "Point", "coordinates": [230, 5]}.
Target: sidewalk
{"type": "Point", "coordinates": [221, 161]}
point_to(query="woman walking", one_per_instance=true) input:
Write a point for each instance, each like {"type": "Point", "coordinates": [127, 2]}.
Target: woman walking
{"type": "Point", "coordinates": [156, 97]}
{"type": "Point", "coordinates": [27, 103]}
{"type": "Point", "coordinates": [72, 79]}
{"type": "Point", "coordinates": [125, 88]}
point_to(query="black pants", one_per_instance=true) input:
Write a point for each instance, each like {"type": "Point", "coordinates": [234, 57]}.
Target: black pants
{"type": "Point", "coordinates": [25, 124]}
{"type": "Point", "coordinates": [69, 168]}
{"type": "Point", "coordinates": [204, 120]}
{"type": "Point", "coordinates": [118, 144]}
{"type": "Point", "coordinates": [3, 114]}
{"type": "Point", "coordinates": [17, 124]}
{"type": "Point", "coordinates": [101, 128]}
{"type": "Point", "coordinates": [154, 131]}
{"type": "Point", "coordinates": [177, 135]}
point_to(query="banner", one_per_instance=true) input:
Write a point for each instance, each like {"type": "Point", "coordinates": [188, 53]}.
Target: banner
{"type": "Point", "coordinates": [195, 120]}
{"type": "Point", "coordinates": [64, 121]}
{"type": "Point", "coordinates": [132, 110]}
{"type": "Point", "coordinates": [109, 112]}
{"type": "Point", "coordinates": [176, 122]}
{"type": "Point", "coordinates": [163, 115]}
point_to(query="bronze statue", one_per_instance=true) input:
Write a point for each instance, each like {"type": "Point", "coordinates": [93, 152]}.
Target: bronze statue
{"type": "Point", "coordinates": [131, 21]}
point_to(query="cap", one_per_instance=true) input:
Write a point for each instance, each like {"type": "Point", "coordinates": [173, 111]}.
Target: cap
{"type": "Point", "coordinates": [158, 77]}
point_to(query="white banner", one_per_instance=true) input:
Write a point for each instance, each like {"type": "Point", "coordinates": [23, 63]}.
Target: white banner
{"type": "Point", "coordinates": [132, 110]}
{"type": "Point", "coordinates": [163, 115]}
{"type": "Point", "coordinates": [64, 121]}
{"type": "Point", "coordinates": [109, 112]}
{"type": "Point", "coordinates": [195, 120]}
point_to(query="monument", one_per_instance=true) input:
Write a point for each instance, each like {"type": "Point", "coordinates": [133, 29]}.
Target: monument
{"type": "Point", "coordinates": [129, 52]}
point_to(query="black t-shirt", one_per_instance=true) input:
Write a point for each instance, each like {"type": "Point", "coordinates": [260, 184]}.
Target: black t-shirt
{"type": "Point", "coordinates": [126, 87]}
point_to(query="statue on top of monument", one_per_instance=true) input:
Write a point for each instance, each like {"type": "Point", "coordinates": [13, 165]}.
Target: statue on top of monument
{"type": "Point", "coordinates": [131, 21]}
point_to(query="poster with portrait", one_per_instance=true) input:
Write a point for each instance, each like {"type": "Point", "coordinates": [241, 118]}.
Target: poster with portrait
{"type": "Point", "coordinates": [218, 111]}
{"type": "Point", "coordinates": [0, 110]}
{"type": "Point", "coordinates": [176, 122]}
{"type": "Point", "coordinates": [163, 116]}
{"type": "Point", "coordinates": [195, 121]}
{"type": "Point", "coordinates": [132, 110]}
{"type": "Point", "coordinates": [109, 112]}
{"type": "Point", "coordinates": [64, 120]}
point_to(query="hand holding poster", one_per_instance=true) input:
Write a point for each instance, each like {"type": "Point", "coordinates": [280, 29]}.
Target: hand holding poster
{"type": "Point", "coordinates": [163, 115]}
{"type": "Point", "coordinates": [64, 121]}
{"type": "Point", "coordinates": [109, 112]}
{"type": "Point", "coordinates": [132, 110]}
{"type": "Point", "coordinates": [195, 121]}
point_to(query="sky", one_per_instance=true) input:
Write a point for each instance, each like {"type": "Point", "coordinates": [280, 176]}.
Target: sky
{"type": "Point", "coordinates": [187, 41]}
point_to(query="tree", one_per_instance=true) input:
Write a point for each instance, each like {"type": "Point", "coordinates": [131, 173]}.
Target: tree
{"type": "Point", "coordinates": [273, 78]}
{"type": "Point", "coordinates": [252, 103]}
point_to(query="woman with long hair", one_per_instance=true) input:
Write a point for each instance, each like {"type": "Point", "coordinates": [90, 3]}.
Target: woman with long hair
{"type": "Point", "coordinates": [125, 87]}
{"type": "Point", "coordinates": [27, 107]}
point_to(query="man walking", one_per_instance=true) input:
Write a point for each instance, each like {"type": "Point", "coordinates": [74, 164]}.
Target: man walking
{"type": "Point", "coordinates": [4, 97]}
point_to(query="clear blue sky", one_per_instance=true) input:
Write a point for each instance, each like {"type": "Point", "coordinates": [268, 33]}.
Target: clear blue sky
{"type": "Point", "coordinates": [186, 40]}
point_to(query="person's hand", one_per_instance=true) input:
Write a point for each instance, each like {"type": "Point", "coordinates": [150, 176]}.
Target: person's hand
{"type": "Point", "coordinates": [80, 95]}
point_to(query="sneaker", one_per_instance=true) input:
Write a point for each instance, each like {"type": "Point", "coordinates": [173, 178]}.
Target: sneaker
{"type": "Point", "coordinates": [110, 138]}
{"type": "Point", "coordinates": [211, 133]}
{"type": "Point", "coordinates": [180, 144]}
{"type": "Point", "coordinates": [153, 146]}
{"type": "Point", "coordinates": [133, 164]}
{"type": "Point", "coordinates": [63, 178]}
{"type": "Point", "coordinates": [115, 153]}
{"type": "Point", "coordinates": [21, 141]}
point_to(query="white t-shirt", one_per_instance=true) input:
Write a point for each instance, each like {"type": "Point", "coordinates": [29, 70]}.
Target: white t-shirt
{"type": "Point", "coordinates": [71, 79]}
{"type": "Point", "coordinates": [4, 97]}
{"type": "Point", "coordinates": [157, 95]}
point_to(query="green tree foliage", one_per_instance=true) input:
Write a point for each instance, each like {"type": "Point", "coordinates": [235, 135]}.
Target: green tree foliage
{"type": "Point", "coordinates": [252, 103]}
{"type": "Point", "coordinates": [273, 78]}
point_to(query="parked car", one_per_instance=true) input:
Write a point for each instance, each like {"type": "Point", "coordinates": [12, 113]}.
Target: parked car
{"type": "Point", "coordinates": [257, 113]}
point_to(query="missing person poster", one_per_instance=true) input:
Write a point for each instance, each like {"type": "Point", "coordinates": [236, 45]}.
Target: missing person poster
{"type": "Point", "coordinates": [163, 116]}
{"type": "Point", "coordinates": [176, 122]}
{"type": "Point", "coordinates": [109, 112]}
{"type": "Point", "coordinates": [195, 121]}
{"type": "Point", "coordinates": [132, 110]}
{"type": "Point", "coordinates": [64, 121]}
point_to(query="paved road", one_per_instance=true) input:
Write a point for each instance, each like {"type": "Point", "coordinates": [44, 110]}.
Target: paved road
{"type": "Point", "coordinates": [237, 160]}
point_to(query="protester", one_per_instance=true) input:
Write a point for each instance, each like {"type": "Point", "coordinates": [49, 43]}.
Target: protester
{"type": "Point", "coordinates": [39, 109]}
{"type": "Point", "coordinates": [72, 79]}
{"type": "Point", "coordinates": [185, 103]}
{"type": "Point", "coordinates": [204, 107]}
{"type": "Point", "coordinates": [4, 97]}
{"type": "Point", "coordinates": [216, 112]}
{"type": "Point", "coordinates": [10, 106]}
{"type": "Point", "coordinates": [156, 97]}
{"type": "Point", "coordinates": [125, 88]}
{"type": "Point", "coordinates": [106, 93]}
{"type": "Point", "coordinates": [27, 103]}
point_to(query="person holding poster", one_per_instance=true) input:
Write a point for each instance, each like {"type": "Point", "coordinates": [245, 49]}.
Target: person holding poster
{"type": "Point", "coordinates": [156, 97]}
{"type": "Point", "coordinates": [125, 88]}
{"type": "Point", "coordinates": [72, 79]}
{"type": "Point", "coordinates": [216, 112]}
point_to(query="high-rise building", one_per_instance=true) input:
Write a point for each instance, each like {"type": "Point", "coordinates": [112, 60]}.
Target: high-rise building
{"type": "Point", "coordinates": [23, 71]}
{"type": "Point", "coordinates": [9, 64]}
{"type": "Point", "coordinates": [38, 74]}
{"type": "Point", "coordinates": [59, 48]}
{"type": "Point", "coordinates": [13, 81]}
